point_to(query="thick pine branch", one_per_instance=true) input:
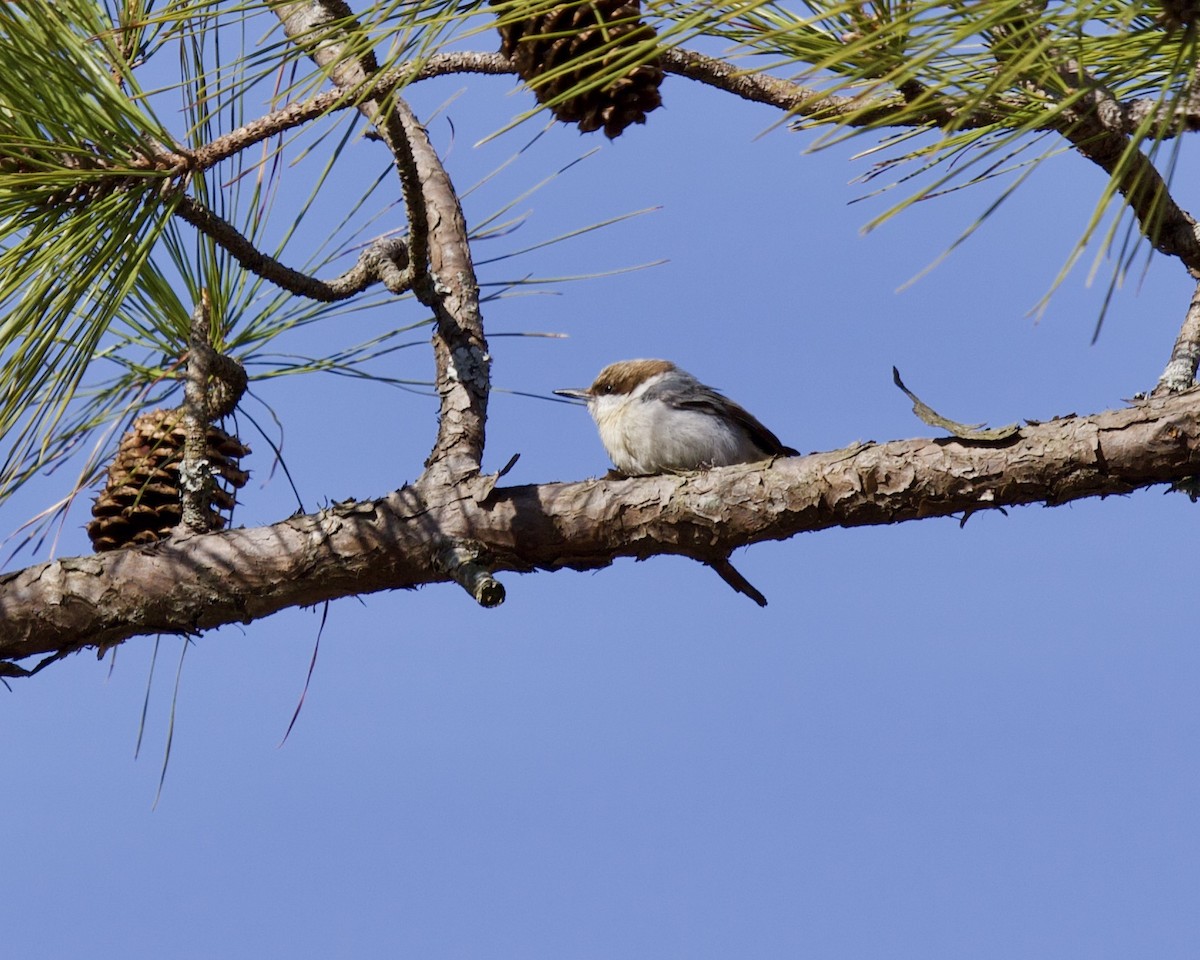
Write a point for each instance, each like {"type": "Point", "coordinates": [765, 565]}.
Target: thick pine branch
{"type": "Point", "coordinates": [198, 582]}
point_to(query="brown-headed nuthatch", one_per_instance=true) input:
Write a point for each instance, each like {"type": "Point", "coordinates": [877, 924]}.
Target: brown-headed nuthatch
{"type": "Point", "coordinates": [655, 418]}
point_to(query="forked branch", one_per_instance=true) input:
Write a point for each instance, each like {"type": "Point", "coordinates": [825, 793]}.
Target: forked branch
{"type": "Point", "coordinates": [439, 252]}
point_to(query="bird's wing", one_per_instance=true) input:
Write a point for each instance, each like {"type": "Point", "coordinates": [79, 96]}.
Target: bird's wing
{"type": "Point", "coordinates": [703, 399]}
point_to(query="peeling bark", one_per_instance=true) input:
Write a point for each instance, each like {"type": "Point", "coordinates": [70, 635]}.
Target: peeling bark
{"type": "Point", "coordinates": [197, 582]}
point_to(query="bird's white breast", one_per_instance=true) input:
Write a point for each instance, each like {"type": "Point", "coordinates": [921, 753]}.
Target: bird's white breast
{"type": "Point", "coordinates": [651, 436]}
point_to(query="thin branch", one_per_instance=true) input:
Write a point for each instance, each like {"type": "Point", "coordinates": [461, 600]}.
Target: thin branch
{"type": "Point", "coordinates": [332, 37]}
{"type": "Point", "coordinates": [757, 87]}
{"type": "Point", "coordinates": [1168, 119]}
{"type": "Point", "coordinates": [382, 261]}
{"type": "Point", "coordinates": [382, 83]}
{"type": "Point", "coordinates": [1128, 117]}
{"type": "Point", "coordinates": [810, 103]}
{"type": "Point", "coordinates": [720, 74]}
{"type": "Point", "coordinates": [1180, 373]}
{"type": "Point", "coordinates": [199, 582]}
{"type": "Point", "coordinates": [392, 122]}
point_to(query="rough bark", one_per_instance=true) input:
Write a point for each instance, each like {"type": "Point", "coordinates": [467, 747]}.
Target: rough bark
{"type": "Point", "coordinates": [1180, 373]}
{"type": "Point", "coordinates": [197, 582]}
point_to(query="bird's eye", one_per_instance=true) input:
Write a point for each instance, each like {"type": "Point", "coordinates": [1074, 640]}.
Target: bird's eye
{"type": "Point", "coordinates": [606, 388]}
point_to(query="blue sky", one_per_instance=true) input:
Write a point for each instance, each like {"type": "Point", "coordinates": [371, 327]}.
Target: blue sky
{"type": "Point", "coordinates": [935, 742]}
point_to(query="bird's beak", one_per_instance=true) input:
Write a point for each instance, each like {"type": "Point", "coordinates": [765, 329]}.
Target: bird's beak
{"type": "Point", "coordinates": [575, 394]}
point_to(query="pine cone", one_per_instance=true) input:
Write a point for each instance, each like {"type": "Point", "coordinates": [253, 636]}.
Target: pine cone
{"type": "Point", "coordinates": [141, 502]}
{"type": "Point", "coordinates": [594, 36]}
{"type": "Point", "coordinates": [1179, 14]}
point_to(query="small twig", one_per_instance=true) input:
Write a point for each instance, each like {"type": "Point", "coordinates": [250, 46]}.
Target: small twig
{"type": "Point", "coordinates": [329, 32]}
{"type": "Point", "coordinates": [389, 260]}
{"type": "Point", "coordinates": [395, 123]}
{"type": "Point", "coordinates": [383, 261]}
{"type": "Point", "coordinates": [462, 561]}
{"type": "Point", "coordinates": [487, 484]}
{"type": "Point", "coordinates": [1180, 373]}
{"type": "Point", "coordinates": [727, 572]}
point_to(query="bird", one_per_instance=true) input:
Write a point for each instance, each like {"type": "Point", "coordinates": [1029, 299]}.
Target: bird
{"type": "Point", "coordinates": [654, 417]}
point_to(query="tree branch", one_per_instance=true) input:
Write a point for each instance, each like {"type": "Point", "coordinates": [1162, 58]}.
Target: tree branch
{"type": "Point", "coordinates": [1180, 373]}
{"type": "Point", "coordinates": [437, 234]}
{"type": "Point", "coordinates": [1097, 131]}
{"type": "Point", "coordinates": [464, 564]}
{"type": "Point", "coordinates": [198, 582]}
{"type": "Point", "coordinates": [300, 112]}
{"type": "Point", "coordinates": [459, 346]}
{"type": "Point", "coordinates": [1094, 122]}
{"type": "Point", "coordinates": [195, 470]}
{"type": "Point", "coordinates": [757, 87]}
{"type": "Point", "coordinates": [333, 39]}
{"type": "Point", "coordinates": [383, 261]}
{"type": "Point", "coordinates": [712, 71]}
{"type": "Point", "coordinates": [812, 104]}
